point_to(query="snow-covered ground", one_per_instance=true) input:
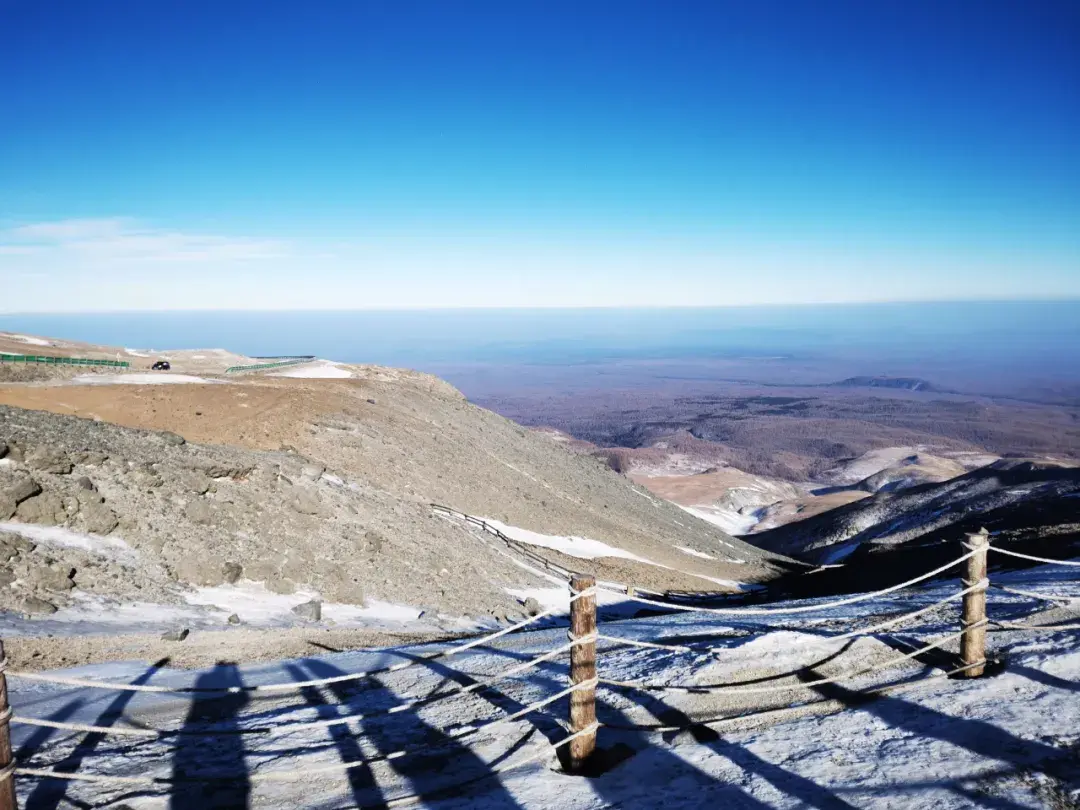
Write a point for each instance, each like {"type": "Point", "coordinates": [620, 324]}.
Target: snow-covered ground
{"type": "Point", "coordinates": [580, 547]}
{"type": "Point", "coordinates": [316, 370]}
{"type": "Point", "coordinates": [1008, 740]}
{"type": "Point", "coordinates": [139, 378]}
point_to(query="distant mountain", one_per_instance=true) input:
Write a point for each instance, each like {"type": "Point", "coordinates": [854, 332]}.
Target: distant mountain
{"type": "Point", "coordinates": [895, 383]}
{"type": "Point", "coordinates": [1019, 500]}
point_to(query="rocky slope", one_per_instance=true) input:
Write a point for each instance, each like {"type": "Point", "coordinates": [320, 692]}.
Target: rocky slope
{"type": "Point", "coordinates": [1018, 500]}
{"type": "Point", "coordinates": [316, 484]}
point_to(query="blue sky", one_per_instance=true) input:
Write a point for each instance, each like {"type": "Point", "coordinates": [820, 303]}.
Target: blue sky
{"type": "Point", "coordinates": [197, 154]}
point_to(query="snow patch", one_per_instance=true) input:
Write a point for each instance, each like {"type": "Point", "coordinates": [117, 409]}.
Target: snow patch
{"type": "Point", "coordinates": [135, 353]}
{"type": "Point", "coordinates": [112, 547]}
{"type": "Point", "coordinates": [581, 547]}
{"type": "Point", "coordinates": [257, 605]}
{"type": "Point", "coordinates": [695, 553]}
{"type": "Point", "coordinates": [139, 379]}
{"type": "Point", "coordinates": [321, 369]}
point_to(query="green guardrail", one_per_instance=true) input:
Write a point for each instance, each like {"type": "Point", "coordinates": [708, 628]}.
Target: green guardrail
{"type": "Point", "coordinates": [293, 361]}
{"type": "Point", "coordinates": [62, 361]}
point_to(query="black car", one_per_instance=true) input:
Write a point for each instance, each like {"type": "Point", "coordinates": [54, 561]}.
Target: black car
{"type": "Point", "coordinates": [161, 365]}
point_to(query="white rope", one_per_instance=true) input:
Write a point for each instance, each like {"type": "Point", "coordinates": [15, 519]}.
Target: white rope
{"type": "Point", "coordinates": [290, 686]}
{"type": "Point", "coordinates": [337, 767]}
{"type": "Point", "coordinates": [771, 714]}
{"type": "Point", "coordinates": [1036, 559]}
{"type": "Point", "coordinates": [806, 608]}
{"type": "Point", "coordinates": [1065, 600]}
{"type": "Point", "coordinates": [1018, 626]}
{"type": "Point", "coordinates": [731, 690]}
{"type": "Point", "coordinates": [865, 631]}
{"type": "Point", "coordinates": [288, 728]}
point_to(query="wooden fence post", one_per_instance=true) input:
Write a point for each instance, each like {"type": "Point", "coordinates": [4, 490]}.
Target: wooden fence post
{"type": "Point", "coordinates": [582, 669]}
{"type": "Point", "coordinates": [973, 642]}
{"type": "Point", "coordinates": [7, 764]}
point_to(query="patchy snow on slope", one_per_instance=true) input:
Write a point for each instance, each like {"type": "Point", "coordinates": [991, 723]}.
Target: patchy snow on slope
{"type": "Point", "coordinates": [135, 353]}
{"type": "Point", "coordinates": [112, 546]}
{"type": "Point", "coordinates": [317, 370]}
{"type": "Point", "coordinates": [694, 553]}
{"type": "Point", "coordinates": [730, 520]}
{"type": "Point", "coordinates": [256, 605]}
{"type": "Point", "coordinates": [137, 378]}
{"type": "Point", "coordinates": [580, 547]}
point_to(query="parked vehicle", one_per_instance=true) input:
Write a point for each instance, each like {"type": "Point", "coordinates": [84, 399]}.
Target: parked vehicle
{"type": "Point", "coordinates": [161, 365]}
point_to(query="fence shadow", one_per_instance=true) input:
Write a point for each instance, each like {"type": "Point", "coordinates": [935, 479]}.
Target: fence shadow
{"type": "Point", "coordinates": [977, 736]}
{"type": "Point", "coordinates": [223, 754]}
{"type": "Point", "coordinates": [49, 793]}
{"type": "Point", "coordinates": [420, 768]}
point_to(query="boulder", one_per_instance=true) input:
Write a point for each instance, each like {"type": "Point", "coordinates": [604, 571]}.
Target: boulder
{"type": "Point", "coordinates": [171, 439]}
{"type": "Point", "coordinates": [14, 489]}
{"type": "Point", "coordinates": [233, 619]}
{"type": "Point", "coordinates": [98, 518]}
{"type": "Point", "coordinates": [84, 483]}
{"type": "Point", "coordinates": [33, 605]}
{"type": "Point", "coordinates": [303, 501]}
{"type": "Point", "coordinates": [312, 472]}
{"type": "Point", "coordinates": [199, 511]}
{"type": "Point", "coordinates": [533, 607]}
{"type": "Point", "coordinates": [311, 611]}
{"type": "Point", "coordinates": [194, 481]}
{"type": "Point", "coordinates": [3, 449]}
{"type": "Point", "coordinates": [53, 578]}
{"type": "Point", "coordinates": [46, 509]}
{"type": "Point", "coordinates": [91, 458]}
{"type": "Point", "coordinates": [230, 572]}
{"type": "Point", "coordinates": [7, 576]}
{"type": "Point", "coordinates": [176, 635]}
{"type": "Point", "coordinates": [49, 460]}
{"type": "Point", "coordinates": [144, 478]}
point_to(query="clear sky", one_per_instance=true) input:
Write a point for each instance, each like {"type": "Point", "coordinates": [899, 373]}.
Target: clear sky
{"type": "Point", "coordinates": [316, 154]}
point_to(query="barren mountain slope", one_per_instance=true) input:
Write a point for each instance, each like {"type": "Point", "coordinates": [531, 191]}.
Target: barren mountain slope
{"type": "Point", "coordinates": [326, 483]}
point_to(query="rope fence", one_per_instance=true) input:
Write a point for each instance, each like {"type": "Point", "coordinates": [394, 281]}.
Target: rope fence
{"type": "Point", "coordinates": [586, 674]}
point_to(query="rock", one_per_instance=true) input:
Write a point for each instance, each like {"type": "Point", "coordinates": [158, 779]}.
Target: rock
{"type": "Point", "coordinates": [370, 400]}
{"type": "Point", "coordinates": [98, 518]}
{"type": "Point", "coordinates": [230, 572]}
{"type": "Point", "coordinates": [82, 482]}
{"type": "Point", "coordinates": [53, 578]}
{"type": "Point", "coordinates": [303, 501]}
{"type": "Point", "coordinates": [86, 496]}
{"type": "Point", "coordinates": [176, 635]}
{"type": "Point", "coordinates": [144, 478]}
{"type": "Point", "coordinates": [91, 458]}
{"type": "Point", "coordinates": [312, 472]}
{"type": "Point", "coordinates": [7, 576]}
{"type": "Point", "coordinates": [199, 511]}
{"type": "Point", "coordinates": [14, 489]}
{"type": "Point", "coordinates": [222, 469]}
{"type": "Point", "coordinates": [533, 607]}
{"type": "Point", "coordinates": [46, 509]}
{"type": "Point", "coordinates": [49, 460]}
{"type": "Point", "coordinates": [3, 449]}
{"type": "Point", "coordinates": [309, 610]}
{"type": "Point", "coordinates": [194, 481]}
{"type": "Point", "coordinates": [172, 439]}
{"type": "Point", "coordinates": [33, 605]}
{"type": "Point", "coordinates": [233, 619]}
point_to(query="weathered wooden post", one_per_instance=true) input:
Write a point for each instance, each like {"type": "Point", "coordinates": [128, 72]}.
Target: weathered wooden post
{"type": "Point", "coordinates": [7, 763]}
{"type": "Point", "coordinates": [973, 642]}
{"type": "Point", "coordinates": [582, 669]}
